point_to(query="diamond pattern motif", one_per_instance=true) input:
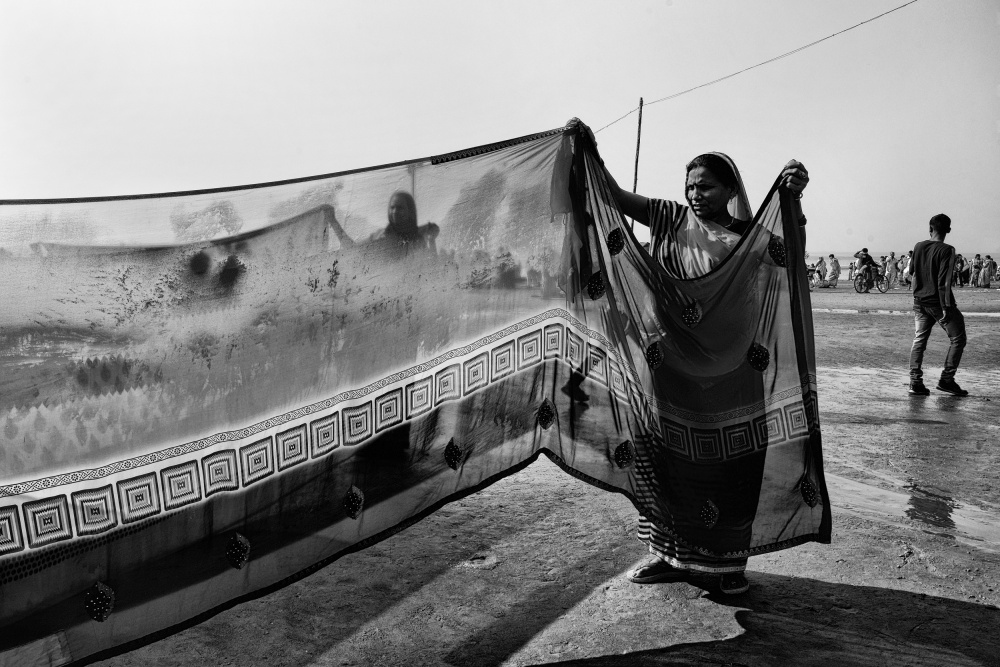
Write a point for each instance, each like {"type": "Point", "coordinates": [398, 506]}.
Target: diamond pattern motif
{"type": "Point", "coordinates": [11, 539]}
{"type": "Point", "coordinates": [181, 485]}
{"type": "Point", "coordinates": [256, 461]}
{"type": "Point", "coordinates": [325, 434]}
{"type": "Point", "coordinates": [220, 472]}
{"type": "Point", "coordinates": [138, 498]}
{"type": "Point", "coordinates": [94, 510]}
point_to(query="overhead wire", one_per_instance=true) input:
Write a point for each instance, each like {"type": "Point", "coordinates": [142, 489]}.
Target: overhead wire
{"type": "Point", "coordinates": [760, 64]}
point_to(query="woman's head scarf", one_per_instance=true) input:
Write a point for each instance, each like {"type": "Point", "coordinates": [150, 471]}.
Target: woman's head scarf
{"type": "Point", "coordinates": [695, 246]}
{"type": "Point", "coordinates": [739, 206]}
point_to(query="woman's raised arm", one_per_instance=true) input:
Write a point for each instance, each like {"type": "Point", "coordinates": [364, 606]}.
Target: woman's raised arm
{"type": "Point", "coordinates": [633, 205]}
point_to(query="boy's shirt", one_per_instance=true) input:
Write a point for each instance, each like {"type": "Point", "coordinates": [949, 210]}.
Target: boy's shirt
{"type": "Point", "coordinates": [932, 267]}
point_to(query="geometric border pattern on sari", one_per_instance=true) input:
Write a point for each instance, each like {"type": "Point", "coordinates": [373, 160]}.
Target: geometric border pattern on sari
{"type": "Point", "coordinates": [808, 386]}
{"type": "Point", "coordinates": [646, 500]}
{"type": "Point", "coordinates": [179, 476]}
{"type": "Point", "coordinates": [708, 445]}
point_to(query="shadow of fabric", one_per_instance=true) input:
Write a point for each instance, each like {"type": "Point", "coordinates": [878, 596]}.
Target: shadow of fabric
{"type": "Point", "coordinates": [304, 621]}
{"type": "Point", "coordinates": [795, 621]}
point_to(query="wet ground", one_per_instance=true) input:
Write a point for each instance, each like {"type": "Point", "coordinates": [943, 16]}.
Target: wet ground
{"type": "Point", "coordinates": [532, 569]}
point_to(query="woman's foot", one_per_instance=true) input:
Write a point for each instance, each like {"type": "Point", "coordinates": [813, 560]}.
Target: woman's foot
{"type": "Point", "coordinates": [733, 583]}
{"type": "Point", "coordinates": [655, 570]}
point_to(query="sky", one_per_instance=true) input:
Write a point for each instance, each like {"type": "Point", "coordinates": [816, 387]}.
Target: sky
{"type": "Point", "coordinates": [896, 120]}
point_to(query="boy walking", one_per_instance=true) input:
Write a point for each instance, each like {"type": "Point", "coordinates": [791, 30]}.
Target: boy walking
{"type": "Point", "coordinates": [932, 269]}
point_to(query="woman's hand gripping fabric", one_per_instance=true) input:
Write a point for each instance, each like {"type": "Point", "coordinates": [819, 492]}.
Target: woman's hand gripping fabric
{"type": "Point", "coordinates": [575, 122]}
{"type": "Point", "coordinates": [795, 177]}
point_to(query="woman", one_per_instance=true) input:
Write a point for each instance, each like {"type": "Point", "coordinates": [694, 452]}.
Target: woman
{"type": "Point", "coordinates": [832, 273]}
{"type": "Point", "coordinates": [820, 274]}
{"type": "Point", "coordinates": [891, 270]}
{"type": "Point", "coordinates": [403, 236]}
{"type": "Point", "coordinates": [977, 266]}
{"type": "Point", "coordinates": [986, 275]}
{"type": "Point", "coordinates": [904, 270]}
{"type": "Point", "coordinates": [959, 273]}
{"type": "Point", "coordinates": [689, 241]}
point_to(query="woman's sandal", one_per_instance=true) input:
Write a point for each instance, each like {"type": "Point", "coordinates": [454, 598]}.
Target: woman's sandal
{"type": "Point", "coordinates": [654, 571]}
{"type": "Point", "coordinates": [733, 583]}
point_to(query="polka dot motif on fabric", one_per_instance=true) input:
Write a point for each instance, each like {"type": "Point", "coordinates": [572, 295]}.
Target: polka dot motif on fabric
{"type": "Point", "coordinates": [31, 564]}
{"type": "Point", "coordinates": [616, 241]}
{"type": "Point", "coordinates": [776, 249]}
{"type": "Point", "coordinates": [354, 501]}
{"type": "Point", "coordinates": [595, 286]}
{"type": "Point", "coordinates": [758, 357]}
{"type": "Point", "coordinates": [809, 493]}
{"type": "Point", "coordinates": [99, 601]}
{"type": "Point", "coordinates": [238, 551]}
{"type": "Point", "coordinates": [453, 455]}
{"type": "Point", "coordinates": [709, 514]}
{"type": "Point", "coordinates": [691, 314]}
{"type": "Point", "coordinates": [653, 356]}
{"type": "Point", "coordinates": [546, 414]}
{"type": "Point", "coordinates": [624, 454]}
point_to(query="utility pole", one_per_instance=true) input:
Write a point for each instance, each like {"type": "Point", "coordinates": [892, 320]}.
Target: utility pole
{"type": "Point", "coordinates": [638, 138]}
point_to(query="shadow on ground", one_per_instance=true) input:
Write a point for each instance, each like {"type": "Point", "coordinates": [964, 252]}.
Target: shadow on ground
{"type": "Point", "coordinates": [793, 621]}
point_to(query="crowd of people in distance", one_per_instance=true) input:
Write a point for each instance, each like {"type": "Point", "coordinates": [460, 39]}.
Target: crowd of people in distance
{"type": "Point", "coordinates": [980, 271]}
{"type": "Point", "coordinates": [825, 272]}
{"type": "Point", "coordinates": [976, 272]}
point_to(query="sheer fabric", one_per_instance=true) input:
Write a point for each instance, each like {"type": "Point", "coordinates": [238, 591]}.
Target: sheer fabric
{"type": "Point", "coordinates": [208, 394]}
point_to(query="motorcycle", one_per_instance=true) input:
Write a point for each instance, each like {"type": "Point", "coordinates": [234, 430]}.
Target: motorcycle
{"type": "Point", "coordinates": [874, 277]}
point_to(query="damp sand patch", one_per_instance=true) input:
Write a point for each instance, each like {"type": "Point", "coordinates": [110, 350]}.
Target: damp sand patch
{"type": "Point", "coordinates": [933, 510]}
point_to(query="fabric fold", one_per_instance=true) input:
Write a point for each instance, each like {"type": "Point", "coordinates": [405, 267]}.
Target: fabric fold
{"type": "Point", "coordinates": [207, 395]}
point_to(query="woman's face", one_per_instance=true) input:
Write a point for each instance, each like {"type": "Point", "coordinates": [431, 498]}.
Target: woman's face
{"type": "Point", "coordinates": [705, 194]}
{"type": "Point", "coordinates": [399, 213]}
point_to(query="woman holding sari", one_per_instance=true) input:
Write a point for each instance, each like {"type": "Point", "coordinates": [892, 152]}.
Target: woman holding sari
{"type": "Point", "coordinates": [689, 241]}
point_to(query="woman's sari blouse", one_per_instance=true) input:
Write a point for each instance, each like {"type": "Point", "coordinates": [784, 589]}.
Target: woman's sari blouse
{"type": "Point", "coordinates": [684, 245]}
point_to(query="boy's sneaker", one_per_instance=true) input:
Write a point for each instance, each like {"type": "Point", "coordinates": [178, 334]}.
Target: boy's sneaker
{"type": "Point", "coordinates": [734, 583]}
{"type": "Point", "coordinates": [918, 389]}
{"type": "Point", "coordinates": [951, 387]}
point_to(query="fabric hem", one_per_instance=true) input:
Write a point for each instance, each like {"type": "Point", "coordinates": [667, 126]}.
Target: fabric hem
{"type": "Point", "coordinates": [692, 567]}
{"type": "Point", "coordinates": [434, 159]}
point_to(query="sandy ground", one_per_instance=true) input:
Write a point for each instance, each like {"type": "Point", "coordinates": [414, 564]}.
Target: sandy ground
{"type": "Point", "coordinates": [969, 299]}
{"type": "Point", "coordinates": [532, 569]}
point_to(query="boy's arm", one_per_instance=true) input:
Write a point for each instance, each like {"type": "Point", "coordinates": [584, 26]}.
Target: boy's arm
{"type": "Point", "coordinates": [945, 297]}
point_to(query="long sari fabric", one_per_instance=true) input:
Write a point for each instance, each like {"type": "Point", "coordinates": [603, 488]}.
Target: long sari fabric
{"type": "Point", "coordinates": [207, 395]}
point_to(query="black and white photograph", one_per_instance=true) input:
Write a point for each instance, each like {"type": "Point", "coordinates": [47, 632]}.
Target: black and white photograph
{"type": "Point", "coordinates": [500, 334]}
